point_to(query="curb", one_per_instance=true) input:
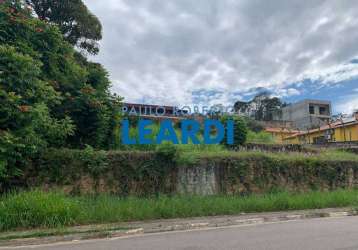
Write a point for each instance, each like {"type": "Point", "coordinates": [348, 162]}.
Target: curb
{"type": "Point", "coordinates": [170, 225]}
{"type": "Point", "coordinates": [252, 220]}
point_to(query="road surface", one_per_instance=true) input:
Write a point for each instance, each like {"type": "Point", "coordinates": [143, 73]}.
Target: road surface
{"type": "Point", "coordinates": [317, 234]}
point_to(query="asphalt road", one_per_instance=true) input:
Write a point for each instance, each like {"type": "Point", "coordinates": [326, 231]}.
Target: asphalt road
{"type": "Point", "coordinates": [317, 234]}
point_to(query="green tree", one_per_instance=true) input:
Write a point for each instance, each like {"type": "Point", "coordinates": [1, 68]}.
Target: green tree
{"type": "Point", "coordinates": [82, 86]}
{"type": "Point", "coordinates": [50, 95]}
{"type": "Point", "coordinates": [78, 25]}
{"type": "Point", "coordinates": [26, 125]}
{"type": "Point", "coordinates": [240, 130]}
{"type": "Point", "coordinates": [262, 107]}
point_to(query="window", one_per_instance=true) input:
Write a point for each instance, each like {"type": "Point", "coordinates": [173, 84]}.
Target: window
{"type": "Point", "coordinates": [311, 110]}
{"type": "Point", "coordinates": [319, 140]}
{"type": "Point", "coordinates": [322, 110]}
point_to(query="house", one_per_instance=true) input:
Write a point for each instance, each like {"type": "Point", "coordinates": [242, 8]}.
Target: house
{"type": "Point", "coordinates": [279, 134]}
{"type": "Point", "coordinates": [308, 114]}
{"type": "Point", "coordinates": [343, 130]}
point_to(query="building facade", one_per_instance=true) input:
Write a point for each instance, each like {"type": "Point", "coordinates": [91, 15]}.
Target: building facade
{"type": "Point", "coordinates": [345, 130]}
{"type": "Point", "coordinates": [308, 114]}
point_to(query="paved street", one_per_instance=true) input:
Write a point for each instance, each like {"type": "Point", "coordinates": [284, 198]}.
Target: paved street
{"type": "Point", "coordinates": [317, 234]}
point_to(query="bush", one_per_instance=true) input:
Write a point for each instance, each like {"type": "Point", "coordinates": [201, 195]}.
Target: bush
{"type": "Point", "coordinates": [240, 130]}
{"type": "Point", "coordinates": [166, 151]}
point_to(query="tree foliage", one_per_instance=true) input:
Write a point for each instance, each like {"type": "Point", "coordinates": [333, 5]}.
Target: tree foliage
{"type": "Point", "coordinates": [50, 95]}
{"type": "Point", "coordinates": [262, 107]}
{"type": "Point", "coordinates": [240, 130]}
{"type": "Point", "coordinates": [26, 125]}
{"type": "Point", "coordinates": [79, 26]}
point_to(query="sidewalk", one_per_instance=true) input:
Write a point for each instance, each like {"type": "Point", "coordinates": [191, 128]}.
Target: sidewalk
{"type": "Point", "coordinates": [45, 236]}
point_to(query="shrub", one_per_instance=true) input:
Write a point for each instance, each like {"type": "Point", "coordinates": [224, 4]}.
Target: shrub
{"type": "Point", "coordinates": [240, 130]}
{"type": "Point", "coordinates": [166, 151]}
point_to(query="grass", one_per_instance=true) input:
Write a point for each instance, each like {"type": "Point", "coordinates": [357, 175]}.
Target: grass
{"type": "Point", "coordinates": [37, 209]}
{"type": "Point", "coordinates": [259, 137]}
{"type": "Point", "coordinates": [191, 156]}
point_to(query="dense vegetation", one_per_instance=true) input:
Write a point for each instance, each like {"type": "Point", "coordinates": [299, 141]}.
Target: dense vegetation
{"type": "Point", "coordinates": [50, 94]}
{"type": "Point", "coordinates": [78, 25]}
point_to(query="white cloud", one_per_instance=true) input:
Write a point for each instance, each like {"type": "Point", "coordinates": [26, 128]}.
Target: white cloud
{"type": "Point", "coordinates": [286, 92]}
{"type": "Point", "coordinates": [348, 105]}
{"type": "Point", "coordinates": [334, 74]}
{"type": "Point", "coordinates": [162, 51]}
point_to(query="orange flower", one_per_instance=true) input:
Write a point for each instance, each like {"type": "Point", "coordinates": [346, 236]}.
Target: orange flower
{"type": "Point", "coordinates": [24, 108]}
{"type": "Point", "coordinates": [87, 90]}
{"type": "Point", "coordinates": [95, 104]}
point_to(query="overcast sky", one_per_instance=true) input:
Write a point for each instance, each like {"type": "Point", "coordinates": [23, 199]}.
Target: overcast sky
{"type": "Point", "coordinates": [179, 52]}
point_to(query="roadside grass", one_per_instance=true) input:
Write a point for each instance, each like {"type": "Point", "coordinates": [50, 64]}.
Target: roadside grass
{"type": "Point", "coordinates": [38, 209]}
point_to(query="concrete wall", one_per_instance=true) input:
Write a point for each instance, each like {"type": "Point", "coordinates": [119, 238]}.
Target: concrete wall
{"type": "Point", "coordinates": [299, 114]}
{"type": "Point", "coordinates": [197, 181]}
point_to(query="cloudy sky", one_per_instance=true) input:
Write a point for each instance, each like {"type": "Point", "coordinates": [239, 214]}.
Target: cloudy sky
{"type": "Point", "coordinates": [181, 52]}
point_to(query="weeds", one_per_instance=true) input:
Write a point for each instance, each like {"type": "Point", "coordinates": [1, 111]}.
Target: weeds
{"type": "Point", "coordinates": [53, 209]}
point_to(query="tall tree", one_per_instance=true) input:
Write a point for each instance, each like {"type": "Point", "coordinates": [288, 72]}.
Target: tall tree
{"type": "Point", "coordinates": [50, 95]}
{"type": "Point", "coordinates": [262, 107]}
{"type": "Point", "coordinates": [78, 25]}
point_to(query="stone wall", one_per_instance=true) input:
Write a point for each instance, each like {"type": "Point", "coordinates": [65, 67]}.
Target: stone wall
{"type": "Point", "coordinates": [197, 180]}
{"type": "Point", "coordinates": [146, 173]}
{"type": "Point", "coordinates": [261, 175]}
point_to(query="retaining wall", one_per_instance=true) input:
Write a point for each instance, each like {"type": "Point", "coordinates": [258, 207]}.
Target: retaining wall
{"type": "Point", "coordinates": [138, 173]}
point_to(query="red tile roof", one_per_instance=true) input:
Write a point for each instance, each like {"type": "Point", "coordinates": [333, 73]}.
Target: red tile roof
{"type": "Point", "coordinates": [333, 125]}
{"type": "Point", "coordinates": [281, 130]}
